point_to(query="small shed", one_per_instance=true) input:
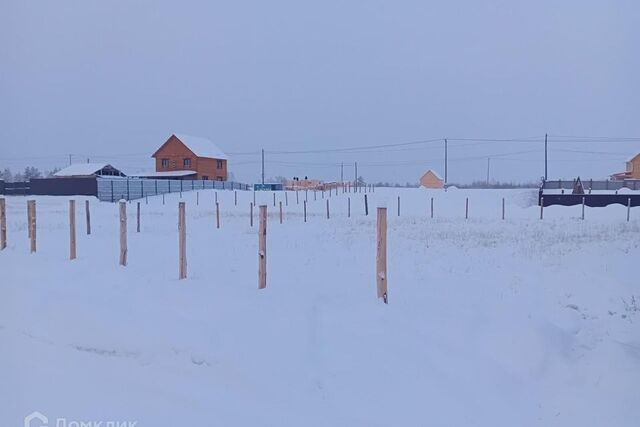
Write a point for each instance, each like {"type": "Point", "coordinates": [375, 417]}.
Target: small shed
{"type": "Point", "coordinates": [431, 180]}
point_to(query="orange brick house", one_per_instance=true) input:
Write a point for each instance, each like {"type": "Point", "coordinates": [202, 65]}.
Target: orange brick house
{"type": "Point", "coordinates": [183, 153]}
{"type": "Point", "coordinates": [632, 172]}
{"type": "Point", "coordinates": [431, 180]}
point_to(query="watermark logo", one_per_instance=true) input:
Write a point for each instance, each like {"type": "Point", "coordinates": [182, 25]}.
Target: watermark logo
{"type": "Point", "coordinates": [36, 419]}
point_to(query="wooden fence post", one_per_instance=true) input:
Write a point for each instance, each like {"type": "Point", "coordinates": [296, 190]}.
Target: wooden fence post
{"type": "Point", "coordinates": [123, 233]}
{"type": "Point", "coordinates": [305, 210]}
{"type": "Point", "coordinates": [348, 207]}
{"type": "Point", "coordinates": [87, 213]}
{"type": "Point", "coordinates": [31, 208]}
{"type": "Point", "coordinates": [274, 198]}
{"type": "Point", "coordinates": [628, 209]}
{"type": "Point", "coordinates": [286, 198]}
{"type": "Point", "coordinates": [280, 212]}
{"type": "Point", "coordinates": [541, 207]}
{"type": "Point", "coordinates": [398, 205]}
{"type": "Point", "coordinates": [432, 207]}
{"type": "Point", "coordinates": [250, 214]}
{"type": "Point", "coordinates": [29, 218]}
{"type": "Point", "coordinates": [182, 241]}
{"type": "Point", "coordinates": [381, 258]}
{"type": "Point", "coordinates": [297, 198]}
{"type": "Point", "coordinates": [235, 197]}
{"type": "Point", "coordinates": [366, 206]}
{"type": "Point", "coordinates": [314, 195]}
{"type": "Point", "coordinates": [138, 217]}
{"type": "Point", "coordinates": [262, 248]}
{"type": "Point", "coordinates": [583, 208]}
{"type": "Point", "coordinates": [197, 198]}
{"type": "Point", "coordinates": [216, 196]}
{"type": "Point", "coordinates": [163, 198]}
{"type": "Point", "coordinates": [72, 229]}
{"type": "Point", "coordinates": [254, 197]}
{"type": "Point", "coordinates": [217, 215]}
{"type": "Point", "coordinates": [503, 208]}
{"type": "Point", "coordinates": [327, 208]}
{"type": "Point", "coordinates": [466, 208]}
{"type": "Point", "coordinates": [3, 224]}
{"type": "Point", "coordinates": [323, 193]}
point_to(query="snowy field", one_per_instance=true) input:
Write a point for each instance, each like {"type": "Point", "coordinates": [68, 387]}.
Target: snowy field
{"type": "Point", "coordinates": [490, 322]}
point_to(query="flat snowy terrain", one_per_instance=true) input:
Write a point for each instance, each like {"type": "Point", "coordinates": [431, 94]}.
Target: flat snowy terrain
{"type": "Point", "coordinates": [490, 322]}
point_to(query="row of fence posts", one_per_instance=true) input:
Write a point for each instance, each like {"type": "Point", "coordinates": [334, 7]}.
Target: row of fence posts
{"type": "Point", "coordinates": [32, 229]}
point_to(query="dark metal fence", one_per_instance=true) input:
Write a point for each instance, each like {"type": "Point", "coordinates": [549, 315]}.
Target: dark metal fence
{"type": "Point", "coordinates": [590, 184]}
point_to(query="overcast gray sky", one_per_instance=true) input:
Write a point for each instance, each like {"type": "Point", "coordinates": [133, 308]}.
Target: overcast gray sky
{"type": "Point", "coordinates": [111, 80]}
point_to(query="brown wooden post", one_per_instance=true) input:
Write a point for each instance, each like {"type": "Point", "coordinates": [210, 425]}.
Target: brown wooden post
{"type": "Point", "coordinates": [250, 214]}
{"type": "Point", "coordinates": [138, 217]}
{"type": "Point", "coordinates": [3, 224]}
{"type": "Point", "coordinates": [72, 229]}
{"type": "Point", "coordinates": [466, 209]}
{"type": "Point", "coordinates": [31, 208]}
{"type": "Point", "coordinates": [262, 248]}
{"type": "Point", "coordinates": [217, 215]}
{"type": "Point", "coordinates": [305, 210]}
{"type": "Point", "coordinates": [29, 218]}
{"type": "Point", "coordinates": [628, 209]}
{"type": "Point", "coordinates": [87, 213]}
{"type": "Point", "coordinates": [280, 212]}
{"type": "Point", "coordinates": [182, 241]}
{"type": "Point", "coordinates": [327, 208]}
{"type": "Point", "coordinates": [123, 233]}
{"type": "Point", "coordinates": [541, 207]}
{"type": "Point", "coordinates": [381, 258]}
{"type": "Point", "coordinates": [503, 208]}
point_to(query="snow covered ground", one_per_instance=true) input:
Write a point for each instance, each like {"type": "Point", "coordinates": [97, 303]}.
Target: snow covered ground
{"type": "Point", "coordinates": [520, 322]}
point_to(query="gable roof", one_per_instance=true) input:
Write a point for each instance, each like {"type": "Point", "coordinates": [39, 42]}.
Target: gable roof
{"type": "Point", "coordinates": [434, 173]}
{"type": "Point", "coordinates": [634, 157]}
{"type": "Point", "coordinates": [82, 169]}
{"type": "Point", "coordinates": [201, 147]}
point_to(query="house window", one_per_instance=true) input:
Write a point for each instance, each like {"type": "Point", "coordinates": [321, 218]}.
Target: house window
{"type": "Point", "coordinates": [186, 163]}
{"type": "Point", "coordinates": [220, 164]}
{"type": "Point", "coordinates": [205, 177]}
{"type": "Point", "coordinates": [165, 163]}
{"type": "Point", "coordinates": [219, 178]}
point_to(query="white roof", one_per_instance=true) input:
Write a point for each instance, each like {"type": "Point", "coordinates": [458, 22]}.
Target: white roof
{"type": "Point", "coordinates": [202, 147]}
{"type": "Point", "coordinates": [81, 169]}
{"type": "Point", "coordinates": [161, 174]}
{"type": "Point", "coordinates": [433, 172]}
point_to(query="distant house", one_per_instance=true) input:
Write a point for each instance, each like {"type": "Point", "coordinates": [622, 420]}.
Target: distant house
{"type": "Point", "coordinates": [632, 172]}
{"type": "Point", "coordinates": [431, 180]}
{"type": "Point", "coordinates": [189, 157]}
{"type": "Point", "coordinates": [83, 170]}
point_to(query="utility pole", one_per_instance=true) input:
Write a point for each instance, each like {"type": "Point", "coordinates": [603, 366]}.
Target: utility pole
{"type": "Point", "coordinates": [488, 169]}
{"type": "Point", "coordinates": [355, 183]}
{"type": "Point", "coordinates": [545, 156]}
{"type": "Point", "coordinates": [263, 166]}
{"type": "Point", "coordinates": [445, 160]}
